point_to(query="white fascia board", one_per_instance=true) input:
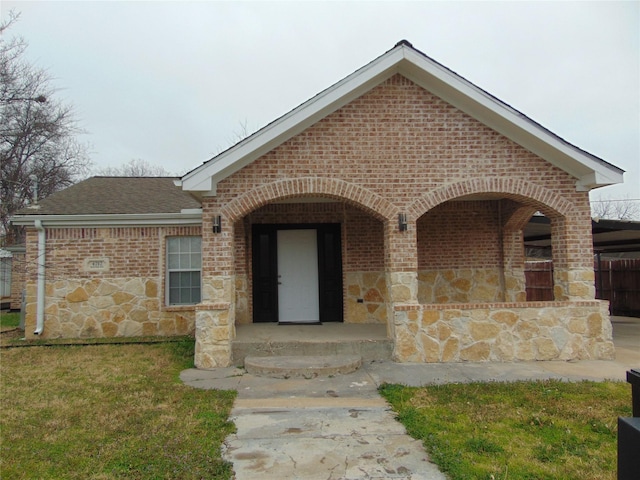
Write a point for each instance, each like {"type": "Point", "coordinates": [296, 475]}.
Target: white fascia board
{"type": "Point", "coordinates": [506, 120]}
{"type": "Point", "coordinates": [209, 174]}
{"type": "Point", "coordinates": [112, 220]}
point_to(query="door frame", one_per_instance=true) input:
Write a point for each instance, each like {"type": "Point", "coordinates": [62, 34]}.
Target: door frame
{"type": "Point", "coordinates": [264, 272]}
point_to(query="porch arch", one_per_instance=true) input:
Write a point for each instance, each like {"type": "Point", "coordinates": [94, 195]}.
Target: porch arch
{"type": "Point", "coordinates": [527, 193]}
{"type": "Point", "coordinates": [526, 198]}
{"type": "Point", "coordinates": [353, 194]}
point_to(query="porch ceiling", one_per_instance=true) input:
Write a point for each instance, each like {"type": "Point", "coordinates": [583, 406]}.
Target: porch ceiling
{"type": "Point", "coordinates": [609, 236]}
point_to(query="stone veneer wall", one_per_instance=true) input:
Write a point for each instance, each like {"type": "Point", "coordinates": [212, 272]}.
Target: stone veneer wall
{"type": "Point", "coordinates": [367, 298]}
{"type": "Point", "coordinates": [465, 285]}
{"type": "Point", "coordinates": [503, 332]}
{"type": "Point", "coordinates": [115, 307]}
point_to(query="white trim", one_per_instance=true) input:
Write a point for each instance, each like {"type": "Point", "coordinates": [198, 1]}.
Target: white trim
{"type": "Point", "coordinates": [41, 279]}
{"type": "Point", "coordinates": [112, 220]}
{"type": "Point", "coordinates": [589, 170]}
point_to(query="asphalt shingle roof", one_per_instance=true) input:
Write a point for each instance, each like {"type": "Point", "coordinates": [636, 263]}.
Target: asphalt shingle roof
{"type": "Point", "coordinates": [116, 195]}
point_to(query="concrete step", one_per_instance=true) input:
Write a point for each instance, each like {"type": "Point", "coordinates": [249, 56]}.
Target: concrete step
{"type": "Point", "coordinates": [368, 350]}
{"type": "Point", "coordinates": [302, 366]}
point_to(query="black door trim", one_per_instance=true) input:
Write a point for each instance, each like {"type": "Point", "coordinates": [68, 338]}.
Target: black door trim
{"type": "Point", "coordinates": [265, 270]}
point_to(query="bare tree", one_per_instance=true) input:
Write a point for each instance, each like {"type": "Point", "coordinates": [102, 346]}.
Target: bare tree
{"type": "Point", "coordinates": [135, 168]}
{"type": "Point", "coordinates": [625, 209]}
{"type": "Point", "coordinates": [38, 143]}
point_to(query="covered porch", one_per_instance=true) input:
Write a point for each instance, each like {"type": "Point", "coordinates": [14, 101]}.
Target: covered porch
{"type": "Point", "coordinates": [443, 283]}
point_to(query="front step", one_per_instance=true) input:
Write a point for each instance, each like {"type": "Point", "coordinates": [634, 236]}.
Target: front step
{"type": "Point", "coordinates": [368, 350]}
{"type": "Point", "coordinates": [302, 366]}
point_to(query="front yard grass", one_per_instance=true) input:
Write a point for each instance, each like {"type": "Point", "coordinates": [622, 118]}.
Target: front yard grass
{"type": "Point", "coordinates": [523, 430]}
{"type": "Point", "coordinates": [9, 320]}
{"type": "Point", "coordinates": [109, 411]}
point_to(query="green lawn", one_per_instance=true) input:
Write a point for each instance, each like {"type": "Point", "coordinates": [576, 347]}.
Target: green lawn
{"type": "Point", "coordinates": [109, 411]}
{"type": "Point", "coordinates": [9, 320]}
{"type": "Point", "coordinates": [524, 430]}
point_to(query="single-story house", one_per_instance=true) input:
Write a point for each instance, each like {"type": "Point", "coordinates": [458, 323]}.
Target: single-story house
{"type": "Point", "coordinates": [397, 196]}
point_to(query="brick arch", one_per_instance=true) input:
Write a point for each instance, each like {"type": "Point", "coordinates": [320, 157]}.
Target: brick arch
{"type": "Point", "coordinates": [519, 218]}
{"type": "Point", "coordinates": [529, 194]}
{"type": "Point", "coordinates": [305, 186]}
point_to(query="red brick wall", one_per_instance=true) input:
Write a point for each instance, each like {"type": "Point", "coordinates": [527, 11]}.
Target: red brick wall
{"type": "Point", "coordinates": [399, 148]}
{"type": "Point", "coordinates": [399, 141]}
{"type": "Point", "coordinates": [132, 251]}
{"type": "Point", "coordinates": [18, 275]}
{"type": "Point", "coordinates": [459, 235]}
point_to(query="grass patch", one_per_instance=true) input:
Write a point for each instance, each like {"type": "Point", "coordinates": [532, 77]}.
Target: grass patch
{"type": "Point", "coordinates": [9, 320]}
{"type": "Point", "coordinates": [523, 430]}
{"type": "Point", "coordinates": [109, 411]}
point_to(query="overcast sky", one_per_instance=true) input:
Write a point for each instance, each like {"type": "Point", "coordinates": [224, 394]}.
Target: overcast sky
{"type": "Point", "coordinates": [173, 83]}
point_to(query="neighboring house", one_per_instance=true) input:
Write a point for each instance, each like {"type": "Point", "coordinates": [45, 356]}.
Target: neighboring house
{"type": "Point", "coordinates": [6, 261]}
{"type": "Point", "coordinates": [398, 196]}
{"type": "Point", "coordinates": [13, 277]}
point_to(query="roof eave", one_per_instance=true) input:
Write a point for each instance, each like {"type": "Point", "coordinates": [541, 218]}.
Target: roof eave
{"type": "Point", "coordinates": [189, 217]}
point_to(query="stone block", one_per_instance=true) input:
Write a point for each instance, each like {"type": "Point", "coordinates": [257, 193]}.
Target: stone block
{"type": "Point", "coordinates": [77, 295]}
{"type": "Point", "coordinates": [149, 328]}
{"type": "Point", "coordinates": [405, 348]}
{"type": "Point", "coordinates": [478, 352]}
{"type": "Point", "coordinates": [430, 349]}
{"type": "Point", "coordinates": [151, 289]}
{"type": "Point", "coordinates": [401, 294]}
{"type": "Point", "coordinates": [430, 316]}
{"type": "Point", "coordinates": [594, 325]}
{"type": "Point", "coordinates": [167, 327]}
{"type": "Point", "coordinates": [462, 284]}
{"type": "Point", "coordinates": [450, 350]}
{"type": "Point", "coordinates": [91, 329]}
{"type": "Point", "coordinates": [109, 329]}
{"type": "Point", "coordinates": [373, 295]}
{"type": "Point", "coordinates": [483, 330]}
{"type": "Point", "coordinates": [546, 349]}
{"type": "Point", "coordinates": [506, 317]}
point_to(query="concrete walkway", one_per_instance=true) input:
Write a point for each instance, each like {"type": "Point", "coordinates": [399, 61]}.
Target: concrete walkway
{"type": "Point", "coordinates": [340, 427]}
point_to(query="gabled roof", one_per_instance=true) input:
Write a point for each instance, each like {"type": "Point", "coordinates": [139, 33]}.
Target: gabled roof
{"type": "Point", "coordinates": [590, 171]}
{"type": "Point", "coordinates": [136, 200]}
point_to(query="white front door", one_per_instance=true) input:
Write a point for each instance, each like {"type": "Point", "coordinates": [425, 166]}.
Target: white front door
{"type": "Point", "coordinates": [298, 297]}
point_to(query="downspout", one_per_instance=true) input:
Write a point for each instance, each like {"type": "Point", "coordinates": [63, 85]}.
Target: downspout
{"type": "Point", "coordinates": [41, 284]}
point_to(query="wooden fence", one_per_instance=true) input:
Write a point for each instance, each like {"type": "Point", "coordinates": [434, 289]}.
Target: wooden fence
{"type": "Point", "coordinates": [539, 278]}
{"type": "Point", "coordinates": [616, 280]}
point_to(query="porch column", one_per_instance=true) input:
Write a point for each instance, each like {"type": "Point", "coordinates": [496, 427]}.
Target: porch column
{"type": "Point", "coordinates": [514, 217]}
{"type": "Point", "coordinates": [215, 315]}
{"type": "Point", "coordinates": [401, 270]}
{"type": "Point", "coordinates": [513, 258]}
{"type": "Point", "coordinates": [572, 247]}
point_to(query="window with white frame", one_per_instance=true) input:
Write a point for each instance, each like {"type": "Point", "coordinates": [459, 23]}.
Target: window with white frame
{"type": "Point", "coordinates": [5, 276]}
{"type": "Point", "coordinates": [184, 264]}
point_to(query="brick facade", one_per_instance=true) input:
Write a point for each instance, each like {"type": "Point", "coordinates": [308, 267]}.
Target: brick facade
{"type": "Point", "coordinates": [467, 192]}
{"type": "Point", "coordinates": [125, 297]}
